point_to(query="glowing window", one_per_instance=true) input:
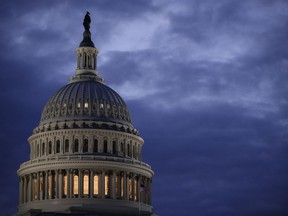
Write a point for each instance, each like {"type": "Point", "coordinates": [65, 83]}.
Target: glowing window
{"type": "Point", "coordinates": [96, 185]}
{"type": "Point", "coordinates": [78, 105]}
{"type": "Point", "coordinates": [75, 185]}
{"type": "Point", "coordinates": [34, 189]}
{"type": "Point", "coordinates": [86, 184]}
{"type": "Point", "coordinates": [106, 189]}
{"type": "Point", "coordinates": [130, 188]}
{"type": "Point", "coordinates": [65, 185]}
{"type": "Point", "coordinates": [101, 106]}
{"type": "Point", "coordinates": [86, 105]}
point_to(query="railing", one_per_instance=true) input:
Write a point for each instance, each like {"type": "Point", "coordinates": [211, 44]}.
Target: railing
{"type": "Point", "coordinates": [85, 157]}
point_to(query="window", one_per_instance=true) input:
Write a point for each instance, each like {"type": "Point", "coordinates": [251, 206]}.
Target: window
{"type": "Point", "coordinates": [106, 189]}
{"type": "Point", "coordinates": [96, 185]}
{"type": "Point", "coordinates": [75, 185]}
{"type": "Point", "coordinates": [43, 148]}
{"type": "Point", "coordinates": [105, 147]}
{"type": "Point", "coordinates": [66, 145]}
{"type": "Point", "coordinates": [86, 184]}
{"type": "Point", "coordinates": [114, 147]}
{"type": "Point", "coordinates": [58, 146]}
{"type": "Point", "coordinates": [85, 146]}
{"type": "Point", "coordinates": [76, 145]}
{"type": "Point", "coordinates": [95, 146]}
{"type": "Point", "coordinates": [50, 148]}
{"type": "Point", "coordinates": [86, 105]}
{"type": "Point", "coordinates": [34, 188]}
{"type": "Point", "coordinates": [65, 185]}
{"type": "Point", "coordinates": [41, 187]}
{"type": "Point", "coordinates": [130, 188]}
{"type": "Point", "coordinates": [122, 147]}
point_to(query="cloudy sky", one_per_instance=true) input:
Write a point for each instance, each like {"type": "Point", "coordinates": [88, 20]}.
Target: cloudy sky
{"type": "Point", "coordinates": [205, 82]}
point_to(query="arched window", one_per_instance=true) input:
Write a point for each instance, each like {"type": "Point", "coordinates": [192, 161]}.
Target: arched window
{"type": "Point", "coordinates": [58, 146]}
{"type": "Point", "coordinates": [86, 184]}
{"type": "Point", "coordinates": [65, 184]}
{"type": "Point", "coordinates": [76, 145]}
{"type": "Point", "coordinates": [95, 146]}
{"type": "Point", "coordinates": [50, 147]}
{"type": "Point", "coordinates": [106, 185]}
{"type": "Point", "coordinates": [66, 145]}
{"type": "Point", "coordinates": [114, 147]}
{"type": "Point", "coordinates": [43, 148]}
{"type": "Point", "coordinates": [122, 147]}
{"type": "Point", "coordinates": [128, 149]}
{"type": "Point", "coordinates": [75, 184]}
{"type": "Point", "coordinates": [105, 146]}
{"type": "Point", "coordinates": [96, 185]}
{"type": "Point", "coordinates": [85, 146]}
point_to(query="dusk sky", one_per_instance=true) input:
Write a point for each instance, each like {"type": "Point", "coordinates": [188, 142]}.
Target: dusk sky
{"type": "Point", "coordinates": [205, 81]}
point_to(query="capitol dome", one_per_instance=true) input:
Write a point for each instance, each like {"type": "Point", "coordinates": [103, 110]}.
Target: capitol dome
{"type": "Point", "coordinates": [85, 154]}
{"type": "Point", "coordinates": [86, 100]}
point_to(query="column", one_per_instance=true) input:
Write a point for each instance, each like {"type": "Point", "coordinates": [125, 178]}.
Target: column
{"type": "Point", "coordinates": [30, 188]}
{"type": "Point", "coordinates": [112, 193]}
{"type": "Point", "coordinates": [69, 182]}
{"type": "Point", "coordinates": [133, 186]}
{"type": "Point", "coordinates": [37, 187]}
{"type": "Point", "coordinates": [57, 184]}
{"type": "Point", "coordinates": [138, 189]}
{"type": "Point", "coordinates": [60, 184]}
{"type": "Point", "coordinates": [46, 186]}
{"type": "Point", "coordinates": [25, 190]}
{"type": "Point", "coordinates": [150, 192]}
{"type": "Point", "coordinates": [126, 187]}
{"type": "Point", "coordinates": [102, 188]}
{"type": "Point", "coordinates": [91, 183]}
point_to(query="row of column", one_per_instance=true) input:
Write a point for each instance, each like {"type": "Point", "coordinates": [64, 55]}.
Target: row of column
{"type": "Point", "coordinates": [82, 183]}
{"type": "Point", "coordinates": [85, 145]}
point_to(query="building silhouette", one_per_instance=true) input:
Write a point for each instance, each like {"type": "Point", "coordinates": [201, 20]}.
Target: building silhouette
{"type": "Point", "coordinates": [85, 154]}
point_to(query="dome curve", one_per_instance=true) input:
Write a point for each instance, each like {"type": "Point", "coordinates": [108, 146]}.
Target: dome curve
{"type": "Point", "coordinates": [86, 100]}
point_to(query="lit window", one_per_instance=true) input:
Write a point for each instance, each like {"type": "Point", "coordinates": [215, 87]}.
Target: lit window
{"type": "Point", "coordinates": [78, 105]}
{"type": "Point", "coordinates": [106, 189]}
{"type": "Point", "coordinates": [130, 188]}
{"type": "Point", "coordinates": [101, 106]}
{"type": "Point", "coordinates": [86, 105]}
{"type": "Point", "coordinates": [96, 185]}
{"type": "Point", "coordinates": [65, 185]}
{"type": "Point", "coordinates": [75, 185]}
{"type": "Point", "coordinates": [34, 189]}
{"type": "Point", "coordinates": [86, 184]}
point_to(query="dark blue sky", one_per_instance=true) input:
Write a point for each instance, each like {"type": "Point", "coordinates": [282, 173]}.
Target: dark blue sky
{"type": "Point", "coordinates": [205, 82]}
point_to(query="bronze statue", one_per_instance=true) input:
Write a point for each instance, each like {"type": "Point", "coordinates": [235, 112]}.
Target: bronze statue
{"type": "Point", "coordinates": [87, 21]}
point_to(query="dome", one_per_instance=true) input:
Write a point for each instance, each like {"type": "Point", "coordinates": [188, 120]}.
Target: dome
{"type": "Point", "coordinates": [86, 100]}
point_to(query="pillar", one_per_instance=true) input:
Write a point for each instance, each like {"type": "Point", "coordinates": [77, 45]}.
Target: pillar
{"type": "Point", "coordinates": [91, 183]}
{"type": "Point", "coordinates": [80, 183]}
{"type": "Point", "coordinates": [20, 190]}
{"type": "Point", "coordinates": [133, 186]}
{"type": "Point", "coordinates": [46, 186]}
{"type": "Point", "coordinates": [126, 186]}
{"type": "Point", "coordinates": [113, 187]}
{"type": "Point", "coordinates": [60, 184]}
{"type": "Point", "coordinates": [25, 190]}
{"type": "Point", "coordinates": [102, 188]}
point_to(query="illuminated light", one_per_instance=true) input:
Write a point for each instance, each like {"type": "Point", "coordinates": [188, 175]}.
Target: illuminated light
{"type": "Point", "coordinates": [96, 185]}
{"type": "Point", "coordinates": [75, 185]}
{"type": "Point", "coordinates": [86, 105]}
{"type": "Point", "coordinates": [86, 185]}
{"type": "Point", "coordinates": [106, 185]}
{"type": "Point", "coordinates": [65, 185]}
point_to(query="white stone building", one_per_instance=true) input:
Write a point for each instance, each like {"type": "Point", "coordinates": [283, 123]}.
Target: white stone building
{"type": "Point", "coordinates": [85, 154]}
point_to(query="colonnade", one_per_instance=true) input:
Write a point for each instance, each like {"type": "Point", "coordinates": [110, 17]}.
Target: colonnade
{"type": "Point", "coordinates": [84, 183]}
